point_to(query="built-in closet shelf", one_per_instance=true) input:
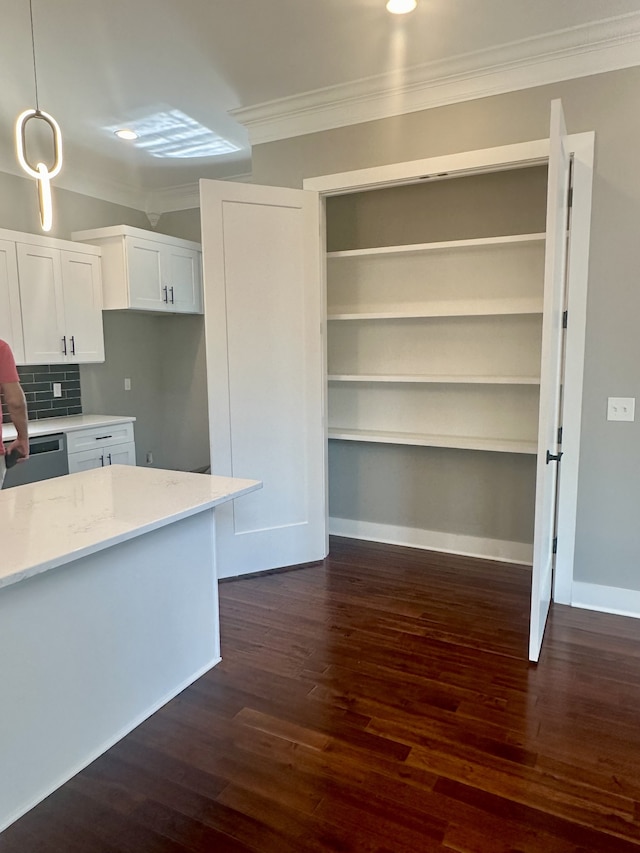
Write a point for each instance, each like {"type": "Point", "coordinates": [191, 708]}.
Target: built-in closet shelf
{"type": "Point", "coordinates": [436, 379]}
{"type": "Point", "coordinates": [444, 311]}
{"type": "Point", "coordinates": [438, 247]}
{"type": "Point", "coordinates": [496, 445]}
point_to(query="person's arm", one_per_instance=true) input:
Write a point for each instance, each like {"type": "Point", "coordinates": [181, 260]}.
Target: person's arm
{"type": "Point", "coordinates": [17, 407]}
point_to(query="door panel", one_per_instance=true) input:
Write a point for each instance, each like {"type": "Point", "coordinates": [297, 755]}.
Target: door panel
{"type": "Point", "coordinates": [145, 276]}
{"type": "Point", "coordinates": [183, 277]}
{"type": "Point", "coordinates": [551, 378]}
{"type": "Point", "coordinates": [83, 305]}
{"type": "Point", "coordinates": [263, 311]}
{"type": "Point", "coordinates": [43, 317]}
{"type": "Point", "coordinates": [10, 317]}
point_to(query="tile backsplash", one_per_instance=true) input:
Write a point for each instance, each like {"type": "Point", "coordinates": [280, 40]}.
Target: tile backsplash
{"type": "Point", "coordinates": [37, 383]}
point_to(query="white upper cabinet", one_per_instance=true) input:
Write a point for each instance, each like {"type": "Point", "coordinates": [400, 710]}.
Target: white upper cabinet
{"type": "Point", "coordinates": [50, 299]}
{"type": "Point", "coordinates": [61, 298]}
{"type": "Point", "coordinates": [145, 271]}
{"type": "Point", "coordinates": [10, 318]}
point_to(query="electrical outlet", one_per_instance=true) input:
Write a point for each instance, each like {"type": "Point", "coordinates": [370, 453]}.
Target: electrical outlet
{"type": "Point", "coordinates": [149, 457]}
{"type": "Point", "coordinates": [127, 384]}
{"type": "Point", "coordinates": [621, 408]}
{"type": "Point", "coordinates": [57, 389]}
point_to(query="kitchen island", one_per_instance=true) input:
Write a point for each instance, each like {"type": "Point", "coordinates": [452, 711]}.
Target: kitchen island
{"type": "Point", "coordinates": [108, 609]}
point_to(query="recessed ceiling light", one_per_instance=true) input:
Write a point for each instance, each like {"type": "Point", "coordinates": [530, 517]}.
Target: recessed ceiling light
{"type": "Point", "coordinates": [401, 7]}
{"type": "Point", "coordinates": [125, 133]}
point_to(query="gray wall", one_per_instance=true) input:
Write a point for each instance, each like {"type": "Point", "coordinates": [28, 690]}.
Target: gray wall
{"type": "Point", "coordinates": [485, 495]}
{"type": "Point", "coordinates": [163, 356]}
{"type": "Point", "coordinates": [608, 534]}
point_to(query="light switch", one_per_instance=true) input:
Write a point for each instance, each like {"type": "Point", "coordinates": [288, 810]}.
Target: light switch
{"type": "Point", "coordinates": [621, 408]}
{"type": "Point", "coordinates": [57, 389]}
{"type": "Point", "coordinates": [127, 384]}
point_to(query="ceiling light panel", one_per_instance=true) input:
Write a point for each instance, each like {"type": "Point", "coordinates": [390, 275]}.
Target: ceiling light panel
{"type": "Point", "coordinates": [173, 134]}
{"type": "Point", "coordinates": [401, 7]}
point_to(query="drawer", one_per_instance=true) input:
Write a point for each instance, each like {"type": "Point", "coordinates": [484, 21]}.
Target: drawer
{"type": "Point", "coordinates": [89, 439]}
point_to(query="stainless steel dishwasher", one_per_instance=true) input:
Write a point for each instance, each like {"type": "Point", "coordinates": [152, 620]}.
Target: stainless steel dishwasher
{"type": "Point", "coordinates": [47, 458]}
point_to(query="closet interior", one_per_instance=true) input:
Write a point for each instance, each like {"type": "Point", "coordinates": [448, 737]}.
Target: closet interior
{"type": "Point", "coordinates": [434, 319]}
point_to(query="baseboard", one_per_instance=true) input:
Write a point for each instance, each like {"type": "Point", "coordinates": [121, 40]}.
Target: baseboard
{"type": "Point", "coordinates": [606, 599]}
{"type": "Point", "coordinates": [434, 540]}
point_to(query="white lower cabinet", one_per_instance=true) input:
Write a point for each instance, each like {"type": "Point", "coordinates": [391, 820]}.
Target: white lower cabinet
{"type": "Point", "coordinates": [100, 457]}
{"type": "Point", "coordinates": [101, 446]}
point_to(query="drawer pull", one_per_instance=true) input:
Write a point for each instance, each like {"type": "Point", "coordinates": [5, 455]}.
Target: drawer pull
{"type": "Point", "coordinates": [103, 437]}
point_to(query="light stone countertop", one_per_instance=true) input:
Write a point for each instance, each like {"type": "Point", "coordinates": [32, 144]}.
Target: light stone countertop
{"type": "Point", "coordinates": [53, 522]}
{"type": "Point", "coordinates": [69, 423]}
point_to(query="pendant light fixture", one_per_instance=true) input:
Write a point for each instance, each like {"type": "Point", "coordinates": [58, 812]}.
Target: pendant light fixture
{"type": "Point", "coordinates": [41, 172]}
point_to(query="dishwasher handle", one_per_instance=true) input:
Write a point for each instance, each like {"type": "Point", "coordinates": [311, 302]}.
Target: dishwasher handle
{"type": "Point", "coordinates": [46, 444]}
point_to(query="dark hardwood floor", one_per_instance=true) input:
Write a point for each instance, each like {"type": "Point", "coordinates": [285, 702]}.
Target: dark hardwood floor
{"type": "Point", "coordinates": [381, 701]}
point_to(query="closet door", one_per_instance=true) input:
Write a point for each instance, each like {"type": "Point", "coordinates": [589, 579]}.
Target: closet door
{"type": "Point", "coordinates": [265, 371]}
{"type": "Point", "coordinates": [551, 379]}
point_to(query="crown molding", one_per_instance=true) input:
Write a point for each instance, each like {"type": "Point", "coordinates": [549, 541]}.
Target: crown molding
{"type": "Point", "coordinates": [602, 46]}
{"type": "Point", "coordinates": [183, 197]}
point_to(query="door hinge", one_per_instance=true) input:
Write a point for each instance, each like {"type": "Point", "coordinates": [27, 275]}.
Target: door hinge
{"type": "Point", "coordinates": [565, 319]}
{"type": "Point", "coordinates": [559, 435]}
{"type": "Point", "coordinates": [554, 548]}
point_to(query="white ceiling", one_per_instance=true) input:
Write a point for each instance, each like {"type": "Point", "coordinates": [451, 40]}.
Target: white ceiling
{"type": "Point", "coordinates": [264, 69]}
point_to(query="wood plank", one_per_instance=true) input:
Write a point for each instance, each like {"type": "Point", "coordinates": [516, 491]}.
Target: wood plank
{"type": "Point", "coordinates": [378, 702]}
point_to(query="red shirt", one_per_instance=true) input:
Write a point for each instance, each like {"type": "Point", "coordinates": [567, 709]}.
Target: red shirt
{"type": "Point", "coordinates": [8, 373]}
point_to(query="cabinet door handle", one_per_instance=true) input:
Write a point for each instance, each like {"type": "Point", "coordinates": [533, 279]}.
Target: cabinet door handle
{"type": "Point", "coordinates": [109, 458]}
{"type": "Point", "coordinates": [102, 461]}
{"type": "Point", "coordinates": [73, 344]}
{"type": "Point", "coordinates": [172, 299]}
{"type": "Point", "coordinates": [166, 293]}
{"type": "Point", "coordinates": [64, 344]}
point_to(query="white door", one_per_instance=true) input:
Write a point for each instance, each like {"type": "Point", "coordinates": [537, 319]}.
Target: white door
{"type": "Point", "coordinates": [263, 311]}
{"type": "Point", "coordinates": [82, 286]}
{"type": "Point", "coordinates": [43, 321]}
{"type": "Point", "coordinates": [551, 378]}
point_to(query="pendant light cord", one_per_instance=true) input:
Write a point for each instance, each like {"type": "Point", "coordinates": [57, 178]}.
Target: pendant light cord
{"type": "Point", "coordinates": [33, 49]}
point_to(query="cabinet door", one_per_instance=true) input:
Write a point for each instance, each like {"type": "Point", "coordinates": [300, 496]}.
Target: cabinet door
{"type": "Point", "coordinates": [122, 454]}
{"type": "Point", "coordinates": [10, 318]}
{"type": "Point", "coordinates": [82, 289]}
{"type": "Point", "coordinates": [41, 295]}
{"type": "Point", "coordinates": [181, 270]}
{"type": "Point", "coordinates": [85, 460]}
{"type": "Point", "coordinates": [147, 290]}
{"type": "Point", "coordinates": [265, 371]}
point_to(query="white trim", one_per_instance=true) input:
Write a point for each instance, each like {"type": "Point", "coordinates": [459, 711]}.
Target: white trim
{"type": "Point", "coordinates": [501, 550]}
{"type": "Point", "coordinates": [581, 51]}
{"type": "Point", "coordinates": [582, 146]}
{"type": "Point", "coordinates": [442, 246]}
{"type": "Point", "coordinates": [606, 599]}
{"type": "Point", "coordinates": [523, 154]}
{"type": "Point", "coordinates": [412, 171]}
{"type": "Point", "coordinates": [107, 744]}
